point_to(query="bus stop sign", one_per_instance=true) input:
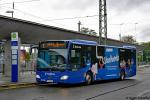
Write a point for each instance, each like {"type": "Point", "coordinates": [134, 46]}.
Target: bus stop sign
{"type": "Point", "coordinates": [14, 57]}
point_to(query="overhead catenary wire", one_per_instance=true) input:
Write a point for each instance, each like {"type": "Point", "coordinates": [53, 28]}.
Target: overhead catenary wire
{"type": "Point", "coordinates": [53, 20]}
{"type": "Point", "coordinates": [23, 12]}
{"type": "Point", "coordinates": [33, 15]}
{"type": "Point", "coordinates": [47, 19]}
{"type": "Point", "coordinates": [19, 2]}
{"type": "Point", "coordinates": [71, 18]}
{"type": "Point", "coordinates": [43, 19]}
{"type": "Point", "coordinates": [50, 20]}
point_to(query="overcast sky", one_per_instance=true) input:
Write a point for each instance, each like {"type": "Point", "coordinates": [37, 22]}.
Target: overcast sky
{"type": "Point", "coordinates": [126, 12]}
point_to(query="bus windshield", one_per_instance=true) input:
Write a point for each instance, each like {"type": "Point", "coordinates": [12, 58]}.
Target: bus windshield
{"type": "Point", "coordinates": [52, 59]}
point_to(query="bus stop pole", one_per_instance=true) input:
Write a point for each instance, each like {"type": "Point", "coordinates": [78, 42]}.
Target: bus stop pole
{"type": "Point", "coordinates": [14, 56]}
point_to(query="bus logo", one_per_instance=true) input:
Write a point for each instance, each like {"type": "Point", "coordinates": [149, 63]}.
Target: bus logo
{"type": "Point", "coordinates": [49, 74]}
{"type": "Point", "coordinates": [111, 59]}
{"type": "Point", "coordinates": [109, 50]}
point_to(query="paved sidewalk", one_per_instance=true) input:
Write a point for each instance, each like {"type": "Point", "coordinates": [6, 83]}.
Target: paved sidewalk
{"type": "Point", "coordinates": [145, 69]}
{"type": "Point", "coordinates": [24, 77]}
{"type": "Point", "coordinates": [144, 66]}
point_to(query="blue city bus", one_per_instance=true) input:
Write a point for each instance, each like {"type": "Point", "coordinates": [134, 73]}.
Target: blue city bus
{"type": "Point", "coordinates": [81, 61]}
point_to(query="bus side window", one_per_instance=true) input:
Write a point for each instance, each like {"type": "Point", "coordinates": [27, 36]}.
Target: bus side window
{"type": "Point", "coordinates": [86, 56]}
{"type": "Point", "coordinates": [83, 61]}
{"type": "Point", "coordinates": [89, 55]}
{"type": "Point", "coordinates": [76, 58]}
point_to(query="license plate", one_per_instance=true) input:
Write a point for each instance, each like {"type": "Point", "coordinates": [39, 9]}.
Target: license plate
{"type": "Point", "coordinates": [49, 80]}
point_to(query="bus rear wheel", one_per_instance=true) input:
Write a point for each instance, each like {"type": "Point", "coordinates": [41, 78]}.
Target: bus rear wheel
{"type": "Point", "coordinates": [122, 75]}
{"type": "Point", "coordinates": [88, 78]}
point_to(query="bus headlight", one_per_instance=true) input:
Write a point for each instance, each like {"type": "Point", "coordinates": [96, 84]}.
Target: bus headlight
{"type": "Point", "coordinates": [65, 77]}
{"type": "Point", "coordinates": [37, 76]}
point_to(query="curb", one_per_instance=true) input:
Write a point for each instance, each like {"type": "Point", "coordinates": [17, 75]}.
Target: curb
{"type": "Point", "coordinates": [16, 86]}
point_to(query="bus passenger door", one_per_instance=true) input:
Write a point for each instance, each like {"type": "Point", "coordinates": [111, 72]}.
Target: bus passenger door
{"type": "Point", "coordinates": [101, 62]}
{"type": "Point", "coordinates": [128, 65]}
{"type": "Point", "coordinates": [133, 63]}
{"type": "Point", "coordinates": [128, 61]}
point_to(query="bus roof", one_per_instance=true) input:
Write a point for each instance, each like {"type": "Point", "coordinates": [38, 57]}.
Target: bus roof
{"type": "Point", "coordinates": [77, 41]}
{"type": "Point", "coordinates": [84, 42]}
{"type": "Point", "coordinates": [87, 42]}
{"type": "Point", "coordinates": [123, 47]}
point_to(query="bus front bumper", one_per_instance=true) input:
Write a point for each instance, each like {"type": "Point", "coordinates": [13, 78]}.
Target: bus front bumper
{"type": "Point", "coordinates": [54, 78]}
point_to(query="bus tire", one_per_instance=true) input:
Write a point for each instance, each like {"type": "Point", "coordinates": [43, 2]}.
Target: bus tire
{"type": "Point", "coordinates": [122, 75]}
{"type": "Point", "coordinates": [88, 78]}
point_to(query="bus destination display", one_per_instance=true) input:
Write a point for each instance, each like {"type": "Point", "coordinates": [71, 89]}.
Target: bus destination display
{"type": "Point", "coordinates": [53, 44]}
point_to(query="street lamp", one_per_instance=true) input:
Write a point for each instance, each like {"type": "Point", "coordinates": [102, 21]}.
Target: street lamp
{"type": "Point", "coordinates": [135, 29]}
{"type": "Point", "coordinates": [79, 26]}
{"type": "Point", "coordinates": [10, 11]}
{"type": "Point", "coordinates": [120, 30]}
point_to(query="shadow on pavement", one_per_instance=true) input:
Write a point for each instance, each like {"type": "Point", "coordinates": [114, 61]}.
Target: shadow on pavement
{"type": "Point", "coordinates": [83, 84]}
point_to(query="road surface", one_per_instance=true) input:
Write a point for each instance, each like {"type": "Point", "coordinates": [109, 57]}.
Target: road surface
{"type": "Point", "coordinates": [135, 88]}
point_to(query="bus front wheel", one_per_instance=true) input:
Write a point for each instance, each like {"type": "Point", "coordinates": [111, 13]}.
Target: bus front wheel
{"type": "Point", "coordinates": [88, 78]}
{"type": "Point", "coordinates": [122, 75]}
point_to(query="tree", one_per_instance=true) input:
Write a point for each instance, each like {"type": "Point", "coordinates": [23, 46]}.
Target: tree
{"type": "Point", "coordinates": [88, 31]}
{"type": "Point", "coordinates": [146, 44]}
{"type": "Point", "coordinates": [129, 39]}
{"type": "Point", "coordinates": [146, 51]}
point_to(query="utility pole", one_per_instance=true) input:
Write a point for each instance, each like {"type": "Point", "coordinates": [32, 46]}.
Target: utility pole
{"type": "Point", "coordinates": [102, 21]}
{"type": "Point", "coordinates": [120, 36]}
{"type": "Point", "coordinates": [13, 9]}
{"type": "Point", "coordinates": [79, 26]}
